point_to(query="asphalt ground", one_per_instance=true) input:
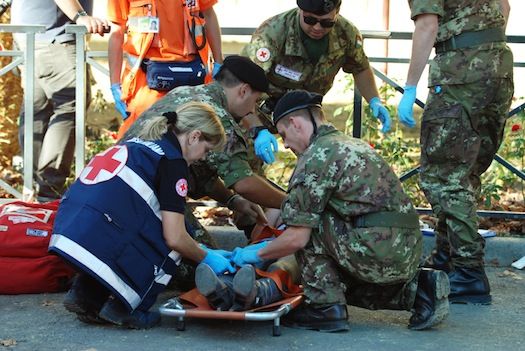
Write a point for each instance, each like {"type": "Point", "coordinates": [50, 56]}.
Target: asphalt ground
{"type": "Point", "coordinates": [40, 322]}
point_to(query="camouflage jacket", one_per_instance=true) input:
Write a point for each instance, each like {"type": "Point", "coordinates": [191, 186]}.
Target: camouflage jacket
{"type": "Point", "coordinates": [489, 60]}
{"type": "Point", "coordinates": [343, 175]}
{"type": "Point", "coordinates": [235, 162]}
{"type": "Point", "coordinates": [276, 46]}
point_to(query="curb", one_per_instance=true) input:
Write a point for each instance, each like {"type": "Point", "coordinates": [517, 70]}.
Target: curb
{"type": "Point", "coordinates": [499, 251]}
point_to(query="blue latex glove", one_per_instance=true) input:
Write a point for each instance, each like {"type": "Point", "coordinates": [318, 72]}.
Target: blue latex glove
{"type": "Point", "coordinates": [217, 262]}
{"type": "Point", "coordinates": [216, 68]}
{"type": "Point", "coordinates": [265, 146]}
{"type": "Point", "coordinates": [405, 109]}
{"type": "Point", "coordinates": [223, 253]}
{"type": "Point", "coordinates": [119, 104]}
{"type": "Point", "coordinates": [248, 255]}
{"type": "Point", "coordinates": [379, 111]}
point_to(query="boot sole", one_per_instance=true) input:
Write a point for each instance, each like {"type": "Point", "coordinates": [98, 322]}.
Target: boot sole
{"type": "Point", "coordinates": [211, 287]}
{"type": "Point", "coordinates": [323, 327]}
{"type": "Point", "coordinates": [471, 299]}
{"type": "Point", "coordinates": [441, 311]}
{"type": "Point", "coordinates": [243, 281]}
{"type": "Point", "coordinates": [205, 280]}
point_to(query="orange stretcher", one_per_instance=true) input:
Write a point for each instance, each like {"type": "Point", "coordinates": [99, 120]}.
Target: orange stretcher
{"type": "Point", "coordinates": [182, 309]}
{"type": "Point", "coordinates": [193, 305]}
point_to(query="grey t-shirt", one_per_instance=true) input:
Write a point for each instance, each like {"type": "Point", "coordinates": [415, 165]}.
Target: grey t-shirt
{"type": "Point", "coordinates": [47, 13]}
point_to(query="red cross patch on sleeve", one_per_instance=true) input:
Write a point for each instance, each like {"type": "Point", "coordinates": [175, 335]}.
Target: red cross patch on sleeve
{"type": "Point", "coordinates": [263, 54]}
{"type": "Point", "coordinates": [182, 187]}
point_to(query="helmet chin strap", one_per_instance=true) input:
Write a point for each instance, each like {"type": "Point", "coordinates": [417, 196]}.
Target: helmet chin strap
{"type": "Point", "coordinates": [313, 121]}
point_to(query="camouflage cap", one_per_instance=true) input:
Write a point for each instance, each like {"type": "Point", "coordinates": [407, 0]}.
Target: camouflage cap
{"type": "Point", "coordinates": [295, 100]}
{"type": "Point", "coordinates": [247, 71]}
{"type": "Point", "coordinates": [318, 7]}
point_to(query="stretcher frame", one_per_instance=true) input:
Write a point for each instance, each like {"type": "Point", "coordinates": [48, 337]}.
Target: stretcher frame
{"type": "Point", "coordinates": [175, 308]}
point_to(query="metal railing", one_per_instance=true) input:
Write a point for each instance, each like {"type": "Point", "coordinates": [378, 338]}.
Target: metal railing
{"type": "Point", "coordinates": [89, 57]}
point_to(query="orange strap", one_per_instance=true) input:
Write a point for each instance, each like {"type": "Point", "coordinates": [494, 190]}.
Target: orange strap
{"type": "Point", "coordinates": [266, 233]}
{"type": "Point", "coordinates": [197, 37]}
{"type": "Point", "coordinates": [283, 281]}
{"type": "Point", "coordinates": [129, 84]}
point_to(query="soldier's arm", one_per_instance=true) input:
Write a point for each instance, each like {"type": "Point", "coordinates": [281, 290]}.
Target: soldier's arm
{"type": "Point", "coordinates": [423, 40]}
{"type": "Point", "coordinates": [505, 10]}
{"type": "Point", "coordinates": [366, 83]}
{"type": "Point", "coordinates": [292, 240]}
{"type": "Point", "coordinates": [256, 189]}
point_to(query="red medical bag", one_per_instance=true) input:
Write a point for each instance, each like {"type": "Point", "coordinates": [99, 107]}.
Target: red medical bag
{"type": "Point", "coordinates": [25, 265]}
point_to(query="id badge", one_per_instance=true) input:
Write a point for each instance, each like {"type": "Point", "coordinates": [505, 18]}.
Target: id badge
{"type": "Point", "coordinates": [144, 24]}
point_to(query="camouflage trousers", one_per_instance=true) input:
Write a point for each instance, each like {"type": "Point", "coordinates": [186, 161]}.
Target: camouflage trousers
{"type": "Point", "coordinates": [461, 131]}
{"type": "Point", "coordinates": [374, 268]}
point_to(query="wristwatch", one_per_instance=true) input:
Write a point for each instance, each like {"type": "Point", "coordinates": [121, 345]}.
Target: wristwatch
{"type": "Point", "coordinates": [253, 132]}
{"type": "Point", "coordinates": [79, 14]}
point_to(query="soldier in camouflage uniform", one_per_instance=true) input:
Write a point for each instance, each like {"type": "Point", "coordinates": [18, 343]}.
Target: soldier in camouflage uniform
{"type": "Point", "coordinates": [238, 85]}
{"type": "Point", "coordinates": [354, 231]}
{"type": "Point", "coordinates": [471, 87]}
{"type": "Point", "coordinates": [304, 48]}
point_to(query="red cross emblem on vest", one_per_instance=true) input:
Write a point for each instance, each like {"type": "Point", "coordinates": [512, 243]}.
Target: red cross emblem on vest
{"type": "Point", "coordinates": [105, 165]}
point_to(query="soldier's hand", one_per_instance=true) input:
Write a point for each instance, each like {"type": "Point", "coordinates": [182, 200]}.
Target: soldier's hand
{"type": "Point", "coordinates": [120, 105]}
{"type": "Point", "coordinates": [406, 106]}
{"type": "Point", "coordinates": [380, 112]}
{"type": "Point", "coordinates": [249, 209]}
{"type": "Point", "coordinates": [248, 254]}
{"type": "Point", "coordinates": [265, 146]}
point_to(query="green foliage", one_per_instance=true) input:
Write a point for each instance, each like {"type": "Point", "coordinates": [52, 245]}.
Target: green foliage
{"type": "Point", "coordinates": [400, 148]}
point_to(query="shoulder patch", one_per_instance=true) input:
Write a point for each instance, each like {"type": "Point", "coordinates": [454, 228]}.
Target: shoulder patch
{"type": "Point", "coordinates": [263, 54]}
{"type": "Point", "coordinates": [182, 187]}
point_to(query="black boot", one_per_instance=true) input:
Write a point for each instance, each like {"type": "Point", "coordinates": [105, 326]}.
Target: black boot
{"type": "Point", "coordinates": [116, 312]}
{"type": "Point", "coordinates": [431, 303]}
{"type": "Point", "coordinates": [218, 291]}
{"type": "Point", "coordinates": [85, 298]}
{"type": "Point", "coordinates": [469, 285]}
{"type": "Point", "coordinates": [439, 259]}
{"type": "Point", "coordinates": [331, 318]}
{"type": "Point", "coordinates": [251, 292]}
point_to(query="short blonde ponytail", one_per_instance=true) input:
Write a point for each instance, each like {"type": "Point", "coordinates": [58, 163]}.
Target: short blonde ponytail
{"type": "Point", "coordinates": [187, 117]}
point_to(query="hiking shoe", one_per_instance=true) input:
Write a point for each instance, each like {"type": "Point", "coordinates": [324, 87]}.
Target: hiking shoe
{"type": "Point", "coordinates": [114, 311]}
{"type": "Point", "coordinates": [86, 295]}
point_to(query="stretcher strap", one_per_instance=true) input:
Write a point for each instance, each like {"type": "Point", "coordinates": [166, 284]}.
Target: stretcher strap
{"type": "Point", "coordinates": [266, 233]}
{"type": "Point", "coordinates": [284, 282]}
{"type": "Point", "coordinates": [194, 301]}
{"type": "Point", "coordinates": [195, 298]}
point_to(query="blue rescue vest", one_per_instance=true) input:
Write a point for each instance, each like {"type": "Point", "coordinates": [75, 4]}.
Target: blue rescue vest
{"type": "Point", "coordinates": [109, 224]}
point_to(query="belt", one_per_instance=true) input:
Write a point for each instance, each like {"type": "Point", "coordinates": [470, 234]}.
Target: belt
{"type": "Point", "coordinates": [471, 39]}
{"type": "Point", "coordinates": [387, 219]}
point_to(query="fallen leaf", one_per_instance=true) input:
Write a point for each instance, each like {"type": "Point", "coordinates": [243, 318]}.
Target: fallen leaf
{"type": "Point", "coordinates": [511, 274]}
{"type": "Point", "coordinates": [7, 342]}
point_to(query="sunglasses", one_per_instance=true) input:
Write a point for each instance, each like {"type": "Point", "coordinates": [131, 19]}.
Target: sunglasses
{"type": "Point", "coordinates": [325, 22]}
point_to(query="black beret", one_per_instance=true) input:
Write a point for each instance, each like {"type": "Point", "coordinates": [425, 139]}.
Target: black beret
{"type": "Point", "coordinates": [319, 7]}
{"type": "Point", "coordinates": [295, 100]}
{"type": "Point", "coordinates": [247, 71]}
